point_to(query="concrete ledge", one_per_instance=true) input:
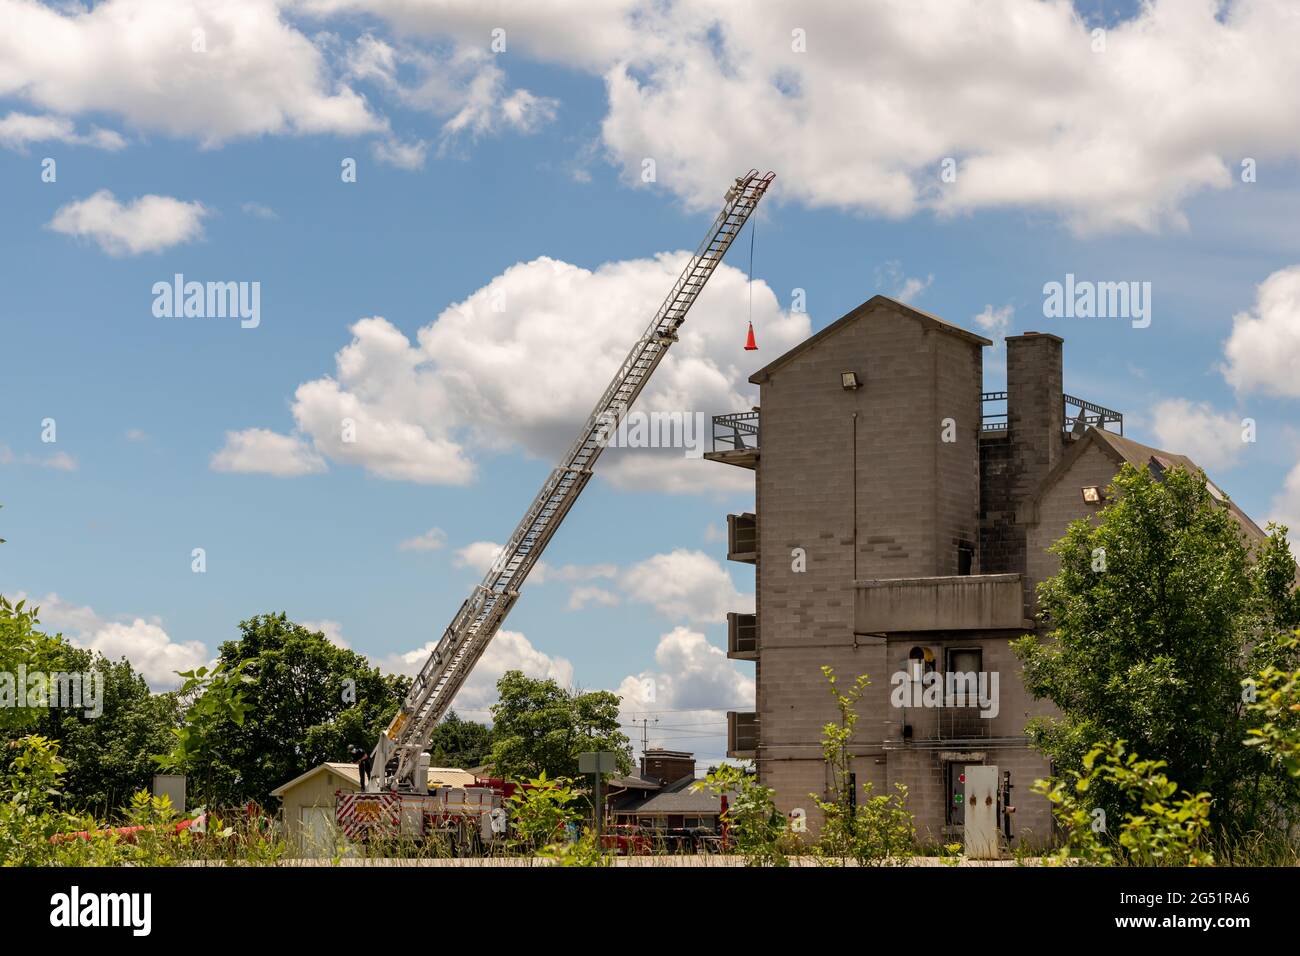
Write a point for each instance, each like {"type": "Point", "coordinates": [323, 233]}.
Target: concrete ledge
{"type": "Point", "coordinates": [956, 603]}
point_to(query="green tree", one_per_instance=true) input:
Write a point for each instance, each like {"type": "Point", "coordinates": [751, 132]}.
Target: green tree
{"type": "Point", "coordinates": [1149, 823]}
{"type": "Point", "coordinates": [306, 701]}
{"type": "Point", "coordinates": [1157, 615]}
{"type": "Point", "coordinates": [538, 728]}
{"type": "Point", "coordinates": [23, 644]}
{"type": "Point", "coordinates": [460, 743]}
{"type": "Point", "coordinates": [755, 827]}
{"type": "Point", "coordinates": [108, 756]}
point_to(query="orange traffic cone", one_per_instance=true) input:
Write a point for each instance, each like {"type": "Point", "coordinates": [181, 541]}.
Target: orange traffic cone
{"type": "Point", "coordinates": [750, 344]}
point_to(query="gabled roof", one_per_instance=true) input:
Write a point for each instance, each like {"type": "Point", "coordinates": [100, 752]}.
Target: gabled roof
{"type": "Point", "coordinates": [1121, 450]}
{"type": "Point", "coordinates": [676, 797]}
{"type": "Point", "coordinates": [875, 303]}
{"type": "Point", "coordinates": [346, 772]}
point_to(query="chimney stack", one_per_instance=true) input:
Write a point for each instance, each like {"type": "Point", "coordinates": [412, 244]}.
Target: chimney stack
{"type": "Point", "coordinates": [1035, 409]}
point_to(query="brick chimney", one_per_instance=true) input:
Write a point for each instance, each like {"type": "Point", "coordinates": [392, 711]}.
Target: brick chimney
{"type": "Point", "coordinates": [1035, 409]}
{"type": "Point", "coordinates": [667, 766]}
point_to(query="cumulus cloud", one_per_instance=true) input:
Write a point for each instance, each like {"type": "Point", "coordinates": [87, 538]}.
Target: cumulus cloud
{"type": "Point", "coordinates": [1211, 439]}
{"type": "Point", "coordinates": [20, 130]}
{"type": "Point", "coordinates": [145, 643]}
{"type": "Point", "coordinates": [188, 68]}
{"type": "Point", "coordinates": [995, 321]}
{"type": "Point", "coordinates": [59, 460]}
{"type": "Point", "coordinates": [693, 684]}
{"type": "Point", "coordinates": [1263, 352]}
{"type": "Point", "coordinates": [147, 224]}
{"type": "Point", "coordinates": [332, 630]}
{"type": "Point", "coordinates": [464, 86]}
{"type": "Point", "coordinates": [521, 362]}
{"type": "Point", "coordinates": [685, 584]}
{"type": "Point", "coordinates": [259, 451]}
{"type": "Point", "coordinates": [1117, 137]}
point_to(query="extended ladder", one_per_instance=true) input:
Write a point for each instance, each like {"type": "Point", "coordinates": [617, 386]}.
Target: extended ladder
{"type": "Point", "coordinates": [480, 617]}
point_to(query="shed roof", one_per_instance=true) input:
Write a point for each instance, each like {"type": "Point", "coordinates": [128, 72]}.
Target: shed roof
{"type": "Point", "coordinates": [347, 772]}
{"type": "Point", "coordinates": [874, 304]}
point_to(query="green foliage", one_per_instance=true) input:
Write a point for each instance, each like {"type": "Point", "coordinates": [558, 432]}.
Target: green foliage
{"type": "Point", "coordinates": [460, 743]}
{"type": "Point", "coordinates": [584, 851]}
{"type": "Point", "coordinates": [538, 728]}
{"type": "Point", "coordinates": [23, 644]}
{"type": "Point", "coordinates": [287, 700]}
{"type": "Point", "coordinates": [1277, 702]}
{"type": "Point", "coordinates": [109, 757]}
{"type": "Point", "coordinates": [1157, 616]}
{"type": "Point", "coordinates": [28, 812]}
{"type": "Point", "coordinates": [541, 810]}
{"type": "Point", "coordinates": [754, 825]}
{"type": "Point", "coordinates": [1158, 828]}
{"type": "Point", "coordinates": [880, 829]}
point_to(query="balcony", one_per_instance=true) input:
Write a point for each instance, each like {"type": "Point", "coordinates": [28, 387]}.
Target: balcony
{"type": "Point", "coordinates": [742, 538]}
{"type": "Point", "coordinates": [742, 734]}
{"type": "Point", "coordinates": [742, 636]}
{"type": "Point", "coordinates": [1076, 413]}
{"type": "Point", "coordinates": [975, 602]}
{"type": "Point", "coordinates": [735, 439]}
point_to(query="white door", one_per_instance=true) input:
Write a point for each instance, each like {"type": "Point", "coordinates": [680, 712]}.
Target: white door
{"type": "Point", "coordinates": [318, 831]}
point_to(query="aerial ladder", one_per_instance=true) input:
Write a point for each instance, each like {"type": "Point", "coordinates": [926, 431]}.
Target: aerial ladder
{"type": "Point", "coordinates": [396, 764]}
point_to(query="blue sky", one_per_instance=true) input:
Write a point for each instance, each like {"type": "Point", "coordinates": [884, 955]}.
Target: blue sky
{"type": "Point", "coordinates": [1133, 173]}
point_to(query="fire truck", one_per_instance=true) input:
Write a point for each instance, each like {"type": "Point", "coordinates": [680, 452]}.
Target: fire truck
{"type": "Point", "coordinates": [397, 800]}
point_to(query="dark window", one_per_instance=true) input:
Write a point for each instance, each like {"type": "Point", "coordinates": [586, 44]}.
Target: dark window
{"type": "Point", "coordinates": [965, 558]}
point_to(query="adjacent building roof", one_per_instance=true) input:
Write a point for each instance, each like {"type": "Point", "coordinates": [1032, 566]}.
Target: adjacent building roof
{"type": "Point", "coordinates": [346, 772]}
{"type": "Point", "coordinates": [1122, 450]}
{"type": "Point", "coordinates": [677, 797]}
{"type": "Point", "coordinates": [873, 304]}
{"type": "Point", "coordinates": [349, 774]}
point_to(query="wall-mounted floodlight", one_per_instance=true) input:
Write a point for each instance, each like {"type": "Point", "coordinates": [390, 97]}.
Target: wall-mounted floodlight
{"type": "Point", "coordinates": [1092, 495]}
{"type": "Point", "coordinates": [850, 381]}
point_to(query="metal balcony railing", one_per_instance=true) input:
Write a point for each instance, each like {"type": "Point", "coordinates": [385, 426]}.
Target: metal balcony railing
{"type": "Point", "coordinates": [996, 419]}
{"type": "Point", "coordinates": [735, 431]}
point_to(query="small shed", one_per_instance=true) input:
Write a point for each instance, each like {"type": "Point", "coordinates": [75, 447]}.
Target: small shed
{"type": "Point", "coordinates": [307, 807]}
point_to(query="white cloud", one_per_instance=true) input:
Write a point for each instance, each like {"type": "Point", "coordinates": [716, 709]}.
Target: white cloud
{"type": "Point", "coordinates": [1286, 507]}
{"type": "Point", "coordinates": [509, 650]}
{"type": "Point", "coordinates": [20, 130]}
{"type": "Point", "coordinates": [693, 684]}
{"type": "Point", "coordinates": [332, 630]}
{"type": "Point", "coordinates": [1116, 139]}
{"type": "Point", "coordinates": [464, 86]}
{"type": "Point", "coordinates": [258, 451]}
{"type": "Point", "coordinates": [685, 584]}
{"type": "Point", "coordinates": [247, 73]}
{"type": "Point", "coordinates": [1263, 352]}
{"type": "Point", "coordinates": [996, 322]}
{"type": "Point", "coordinates": [151, 651]}
{"type": "Point", "coordinates": [431, 540]}
{"type": "Point", "coordinates": [136, 435]}
{"type": "Point", "coordinates": [476, 376]}
{"type": "Point", "coordinates": [258, 211]}
{"type": "Point", "coordinates": [59, 460]}
{"type": "Point", "coordinates": [590, 594]}
{"type": "Point", "coordinates": [147, 224]}
{"type": "Point", "coordinates": [394, 152]}
{"type": "Point", "coordinates": [1211, 439]}
{"type": "Point", "coordinates": [896, 284]}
